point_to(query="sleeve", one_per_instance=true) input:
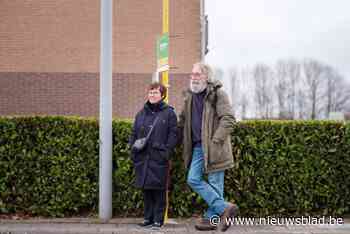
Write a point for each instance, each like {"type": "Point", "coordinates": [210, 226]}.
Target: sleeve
{"type": "Point", "coordinates": [172, 131]}
{"type": "Point", "coordinates": [180, 126]}
{"type": "Point", "coordinates": [226, 117]}
{"type": "Point", "coordinates": [133, 134]}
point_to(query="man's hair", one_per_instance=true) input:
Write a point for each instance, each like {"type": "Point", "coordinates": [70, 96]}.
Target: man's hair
{"type": "Point", "coordinates": [205, 69]}
{"type": "Point", "coordinates": [163, 90]}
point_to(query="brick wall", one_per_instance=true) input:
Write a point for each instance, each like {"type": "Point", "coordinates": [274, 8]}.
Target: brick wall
{"type": "Point", "coordinates": [78, 93]}
{"type": "Point", "coordinates": [63, 35]}
{"type": "Point", "coordinates": [49, 54]}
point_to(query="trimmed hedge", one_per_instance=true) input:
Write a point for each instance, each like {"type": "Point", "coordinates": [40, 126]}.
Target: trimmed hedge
{"type": "Point", "coordinates": [49, 167]}
{"type": "Point", "coordinates": [292, 168]}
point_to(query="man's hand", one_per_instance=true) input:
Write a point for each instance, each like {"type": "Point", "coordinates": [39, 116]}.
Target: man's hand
{"type": "Point", "coordinates": [217, 141]}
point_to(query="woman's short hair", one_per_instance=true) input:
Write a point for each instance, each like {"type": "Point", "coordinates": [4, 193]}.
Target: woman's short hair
{"type": "Point", "coordinates": [163, 90]}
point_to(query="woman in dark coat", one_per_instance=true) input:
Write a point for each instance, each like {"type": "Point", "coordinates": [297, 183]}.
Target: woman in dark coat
{"type": "Point", "coordinates": [151, 164]}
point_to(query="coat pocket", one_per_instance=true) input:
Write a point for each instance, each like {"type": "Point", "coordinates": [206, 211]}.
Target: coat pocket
{"type": "Point", "coordinates": [215, 153]}
{"type": "Point", "coordinates": [160, 152]}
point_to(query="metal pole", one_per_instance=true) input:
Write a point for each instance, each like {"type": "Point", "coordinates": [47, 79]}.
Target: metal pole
{"type": "Point", "coordinates": [105, 162]}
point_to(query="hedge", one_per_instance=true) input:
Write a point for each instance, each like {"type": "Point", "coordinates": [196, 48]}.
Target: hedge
{"type": "Point", "coordinates": [49, 167]}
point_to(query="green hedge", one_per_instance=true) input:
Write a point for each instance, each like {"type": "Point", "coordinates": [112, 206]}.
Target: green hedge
{"type": "Point", "coordinates": [49, 167]}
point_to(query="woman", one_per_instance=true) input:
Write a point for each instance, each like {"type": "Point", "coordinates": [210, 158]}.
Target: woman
{"type": "Point", "coordinates": [152, 162]}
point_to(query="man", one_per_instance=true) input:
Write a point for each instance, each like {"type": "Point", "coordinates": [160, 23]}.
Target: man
{"type": "Point", "coordinates": [206, 122]}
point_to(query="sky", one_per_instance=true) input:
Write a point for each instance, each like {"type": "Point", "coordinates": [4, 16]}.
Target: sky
{"type": "Point", "coordinates": [243, 33]}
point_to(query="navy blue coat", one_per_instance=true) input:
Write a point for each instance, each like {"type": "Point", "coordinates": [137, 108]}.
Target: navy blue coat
{"type": "Point", "coordinates": [151, 164]}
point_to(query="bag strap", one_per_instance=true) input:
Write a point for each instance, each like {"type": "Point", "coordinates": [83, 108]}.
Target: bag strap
{"type": "Point", "coordinates": [153, 124]}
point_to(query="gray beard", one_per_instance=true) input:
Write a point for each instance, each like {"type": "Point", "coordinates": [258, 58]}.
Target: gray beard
{"type": "Point", "coordinates": [198, 86]}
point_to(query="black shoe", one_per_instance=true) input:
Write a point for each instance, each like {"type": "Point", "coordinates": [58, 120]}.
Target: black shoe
{"type": "Point", "coordinates": [156, 226]}
{"type": "Point", "coordinates": [146, 223]}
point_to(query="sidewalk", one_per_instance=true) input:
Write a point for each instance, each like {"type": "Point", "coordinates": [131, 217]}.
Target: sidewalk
{"type": "Point", "coordinates": [128, 226]}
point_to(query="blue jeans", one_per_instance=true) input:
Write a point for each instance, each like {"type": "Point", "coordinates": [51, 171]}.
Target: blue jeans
{"type": "Point", "coordinates": [213, 190]}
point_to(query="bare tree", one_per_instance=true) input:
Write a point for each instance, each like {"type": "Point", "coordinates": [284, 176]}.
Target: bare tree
{"type": "Point", "coordinates": [239, 91]}
{"type": "Point", "coordinates": [313, 77]}
{"type": "Point", "coordinates": [301, 103]}
{"type": "Point", "coordinates": [337, 91]}
{"type": "Point", "coordinates": [262, 77]}
{"type": "Point", "coordinates": [294, 72]}
{"type": "Point", "coordinates": [244, 105]}
{"type": "Point", "coordinates": [282, 87]}
{"type": "Point", "coordinates": [331, 78]}
{"type": "Point", "coordinates": [245, 78]}
{"type": "Point", "coordinates": [233, 76]}
{"type": "Point", "coordinates": [341, 95]}
{"type": "Point", "coordinates": [293, 89]}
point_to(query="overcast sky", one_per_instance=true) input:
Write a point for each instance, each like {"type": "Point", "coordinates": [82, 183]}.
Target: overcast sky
{"type": "Point", "coordinates": [246, 32]}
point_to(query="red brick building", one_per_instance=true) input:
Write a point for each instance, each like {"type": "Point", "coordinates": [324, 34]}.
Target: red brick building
{"type": "Point", "coordinates": [49, 54]}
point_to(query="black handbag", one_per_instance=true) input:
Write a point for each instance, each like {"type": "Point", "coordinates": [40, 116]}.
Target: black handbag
{"type": "Point", "coordinates": [141, 143]}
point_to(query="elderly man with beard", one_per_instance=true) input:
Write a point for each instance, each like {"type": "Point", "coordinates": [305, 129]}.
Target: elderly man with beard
{"type": "Point", "coordinates": [206, 123]}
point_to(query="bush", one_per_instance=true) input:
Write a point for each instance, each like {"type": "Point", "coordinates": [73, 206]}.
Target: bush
{"type": "Point", "coordinates": [291, 168]}
{"type": "Point", "coordinates": [49, 167]}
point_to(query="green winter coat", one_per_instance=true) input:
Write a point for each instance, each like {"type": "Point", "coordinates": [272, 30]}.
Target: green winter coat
{"type": "Point", "coordinates": [217, 125]}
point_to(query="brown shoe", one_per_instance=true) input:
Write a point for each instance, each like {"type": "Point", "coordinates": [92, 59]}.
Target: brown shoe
{"type": "Point", "coordinates": [204, 225]}
{"type": "Point", "coordinates": [230, 212]}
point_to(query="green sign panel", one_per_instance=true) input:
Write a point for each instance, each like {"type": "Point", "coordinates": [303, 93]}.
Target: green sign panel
{"type": "Point", "coordinates": [163, 52]}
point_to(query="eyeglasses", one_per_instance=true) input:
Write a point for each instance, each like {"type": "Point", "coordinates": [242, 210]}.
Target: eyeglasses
{"type": "Point", "coordinates": [195, 74]}
{"type": "Point", "coordinates": [153, 93]}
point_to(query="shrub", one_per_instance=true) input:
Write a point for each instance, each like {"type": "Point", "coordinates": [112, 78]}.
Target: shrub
{"type": "Point", "coordinates": [49, 167]}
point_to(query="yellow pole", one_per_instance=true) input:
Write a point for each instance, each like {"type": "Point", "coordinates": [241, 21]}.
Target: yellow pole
{"type": "Point", "coordinates": [165, 16]}
{"type": "Point", "coordinates": [165, 82]}
{"type": "Point", "coordinates": [165, 74]}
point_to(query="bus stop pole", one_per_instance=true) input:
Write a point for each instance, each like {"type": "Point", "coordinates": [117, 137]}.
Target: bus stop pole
{"type": "Point", "coordinates": [105, 132]}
